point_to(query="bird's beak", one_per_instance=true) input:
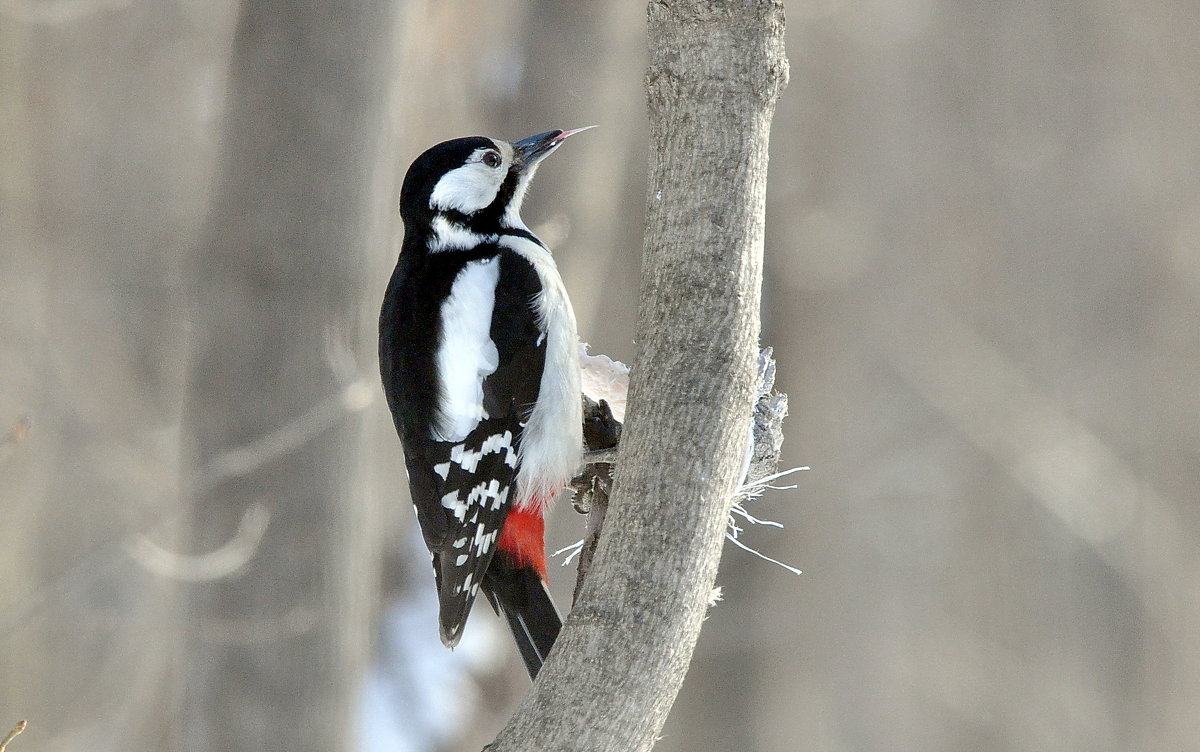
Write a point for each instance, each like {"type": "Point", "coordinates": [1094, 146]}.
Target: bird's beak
{"type": "Point", "coordinates": [530, 151]}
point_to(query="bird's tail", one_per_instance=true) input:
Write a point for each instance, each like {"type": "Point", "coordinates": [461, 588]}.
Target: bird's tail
{"type": "Point", "coordinates": [519, 594]}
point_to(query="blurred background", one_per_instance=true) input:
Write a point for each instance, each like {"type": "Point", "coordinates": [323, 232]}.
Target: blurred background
{"type": "Point", "coordinates": [982, 285]}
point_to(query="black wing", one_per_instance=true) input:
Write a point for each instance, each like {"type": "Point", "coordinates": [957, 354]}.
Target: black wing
{"type": "Point", "coordinates": [462, 490]}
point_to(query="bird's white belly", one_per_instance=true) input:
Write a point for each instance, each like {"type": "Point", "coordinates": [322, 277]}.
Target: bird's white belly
{"type": "Point", "coordinates": [552, 441]}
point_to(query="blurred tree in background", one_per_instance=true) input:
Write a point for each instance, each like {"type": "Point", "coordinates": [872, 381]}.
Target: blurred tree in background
{"type": "Point", "coordinates": [982, 285]}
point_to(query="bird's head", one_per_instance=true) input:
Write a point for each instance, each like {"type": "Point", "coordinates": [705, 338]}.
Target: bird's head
{"type": "Point", "coordinates": [476, 182]}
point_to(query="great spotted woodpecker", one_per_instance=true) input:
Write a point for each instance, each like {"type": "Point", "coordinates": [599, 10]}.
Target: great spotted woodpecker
{"type": "Point", "coordinates": [479, 357]}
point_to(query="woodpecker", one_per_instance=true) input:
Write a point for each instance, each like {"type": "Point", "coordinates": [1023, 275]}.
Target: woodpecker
{"type": "Point", "coordinates": [478, 353]}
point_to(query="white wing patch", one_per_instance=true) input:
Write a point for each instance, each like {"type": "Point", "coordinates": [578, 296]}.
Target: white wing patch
{"type": "Point", "coordinates": [468, 460]}
{"type": "Point", "coordinates": [466, 353]}
{"type": "Point", "coordinates": [454, 504]}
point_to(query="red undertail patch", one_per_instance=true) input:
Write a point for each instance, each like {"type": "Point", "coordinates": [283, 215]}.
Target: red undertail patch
{"type": "Point", "coordinates": [522, 538]}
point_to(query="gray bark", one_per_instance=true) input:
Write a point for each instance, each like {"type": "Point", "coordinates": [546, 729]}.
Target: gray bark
{"type": "Point", "coordinates": [715, 73]}
{"type": "Point", "coordinates": [276, 649]}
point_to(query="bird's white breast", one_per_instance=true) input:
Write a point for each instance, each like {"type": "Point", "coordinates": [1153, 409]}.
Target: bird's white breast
{"type": "Point", "coordinates": [552, 441]}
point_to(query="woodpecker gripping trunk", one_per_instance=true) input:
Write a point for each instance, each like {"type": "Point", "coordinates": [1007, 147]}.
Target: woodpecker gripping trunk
{"type": "Point", "coordinates": [479, 361]}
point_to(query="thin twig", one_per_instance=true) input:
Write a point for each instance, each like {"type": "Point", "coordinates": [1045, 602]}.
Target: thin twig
{"type": "Point", "coordinates": [243, 460]}
{"type": "Point", "coordinates": [13, 734]}
{"type": "Point", "coordinates": [208, 567]}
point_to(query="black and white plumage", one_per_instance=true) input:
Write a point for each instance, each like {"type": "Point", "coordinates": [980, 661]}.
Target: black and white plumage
{"type": "Point", "coordinates": [479, 360]}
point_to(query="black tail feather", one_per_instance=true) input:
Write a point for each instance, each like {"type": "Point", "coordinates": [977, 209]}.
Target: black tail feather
{"type": "Point", "coordinates": [521, 597]}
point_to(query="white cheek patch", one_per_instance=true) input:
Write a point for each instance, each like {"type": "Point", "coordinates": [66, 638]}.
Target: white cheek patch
{"type": "Point", "coordinates": [468, 188]}
{"type": "Point", "coordinates": [466, 354]}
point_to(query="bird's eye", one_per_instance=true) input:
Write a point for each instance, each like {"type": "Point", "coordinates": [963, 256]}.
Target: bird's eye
{"type": "Point", "coordinates": [491, 159]}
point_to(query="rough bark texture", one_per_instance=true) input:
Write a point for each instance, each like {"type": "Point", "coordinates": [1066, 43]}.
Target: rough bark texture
{"type": "Point", "coordinates": [716, 70]}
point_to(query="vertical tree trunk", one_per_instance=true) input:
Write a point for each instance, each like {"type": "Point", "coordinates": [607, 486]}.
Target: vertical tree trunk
{"type": "Point", "coordinates": [102, 176]}
{"type": "Point", "coordinates": [277, 647]}
{"type": "Point", "coordinates": [716, 70]}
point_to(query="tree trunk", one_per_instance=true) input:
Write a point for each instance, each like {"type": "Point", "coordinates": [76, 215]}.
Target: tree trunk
{"type": "Point", "coordinates": [716, 70]}
{"type": "Point", "coordinates": [277, 646]}
{"type": "Point", "coordinates": [103, 173]}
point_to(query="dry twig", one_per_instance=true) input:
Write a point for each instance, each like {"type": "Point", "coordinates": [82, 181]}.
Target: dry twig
{"type": "Point", "coordinates": [13, 734]}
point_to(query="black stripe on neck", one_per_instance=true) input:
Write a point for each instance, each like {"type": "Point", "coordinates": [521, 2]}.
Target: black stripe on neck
{"type": "Point", "coordinates": [485, 225]}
